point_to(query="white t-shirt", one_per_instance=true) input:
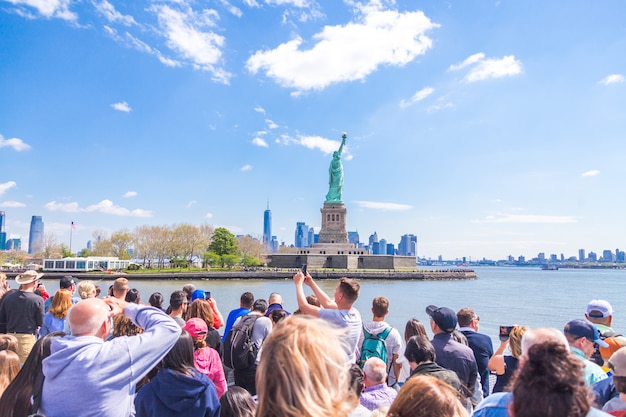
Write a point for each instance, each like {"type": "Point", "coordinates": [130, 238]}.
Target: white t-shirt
{"type": "Point", "coordinates": [349, 319]}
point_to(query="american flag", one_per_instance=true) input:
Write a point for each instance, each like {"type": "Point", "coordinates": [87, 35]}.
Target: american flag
{"type": "Point", "coordinates": [73, 226]}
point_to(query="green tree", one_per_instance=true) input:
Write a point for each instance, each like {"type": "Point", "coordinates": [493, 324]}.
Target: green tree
{"type": "Point", "coordinates": [230, 260]}
{"type": "Point", "coordinates": [211, 258]}
{"type": "Point", "coordinates": [120, 244]}
{"type": "Point", "coordinates": [65, 251]}
{"type": "Point", "coordinates": [250, 261]}
{"type": "Point", "coordinates": [223, 242]}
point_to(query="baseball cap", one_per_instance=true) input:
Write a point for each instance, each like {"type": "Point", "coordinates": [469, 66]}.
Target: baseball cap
{"type": "Point", "coordinates": [443, 317]}
{"type": "Point", "coordinates": [198, 294]}
{"type": "Point", "coordinates": [585, 329]}
{"type": "Point", "coordinates": [598, 309]}
{"type": "Point", "coordinates": [617, 362]}
{"type": "Point", "coordinates": [615, 343]}
{"type": "Point", "coordinates": [66, 282]}
{"type": "Point", "coordinates": [196, 327]}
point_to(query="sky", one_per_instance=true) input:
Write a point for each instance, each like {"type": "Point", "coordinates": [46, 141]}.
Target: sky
{"type": "Point", "coordinates": [485, 128]}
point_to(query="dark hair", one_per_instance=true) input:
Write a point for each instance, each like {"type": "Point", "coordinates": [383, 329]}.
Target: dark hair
{"type": "Point", "coordinates": [550, 383]}
{"type": "Point", "coordinates": [98, 290]}
{"type": "Point", "coordinates": [177, 299]}
{"type": "Point", "coordinates": [259, 305]}
{"type": "Point", "coordinates": [180, 357]}
{"type": "Point", "coordinates": [414, 327]}
{"type": "Point", "coordinates": [356, 379]}
{"type": "Point", "coordinates": [380, 306]}
{"type": "Point", "coordinates": [419, 349]}
{"type": "Point", "coordinates": [16, 399]}
{"type": "Point", "coordinates": [237, 402]}
{"type": "Point", "coordinates": [246, 299]}
{"type": "Point", "coordinates": [278, 315]}
{"type": "Point", "coordinates": [620, 383]}
{"type": "Point", "coordinates": [189, 289]}
{"type": "Point", "coordinates": [350, 289]}
{"type": "Point", "coordinates": [132, 296]}
{"type": "Point", "coordinates": [156, 300]}
{"type": "Point", "coordinates": [465, 316]}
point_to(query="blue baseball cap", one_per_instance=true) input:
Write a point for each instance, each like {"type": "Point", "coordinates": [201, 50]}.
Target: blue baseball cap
{"type": "Point", "coordinates": [444, 317]}
{"type": "Point", "coordinates": [198, 294]}
{"type": "Point", "coordinates": [585, 329]}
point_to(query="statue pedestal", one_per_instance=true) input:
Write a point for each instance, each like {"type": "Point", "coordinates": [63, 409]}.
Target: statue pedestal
{"type": "Point", "coordinates": [333, 224]}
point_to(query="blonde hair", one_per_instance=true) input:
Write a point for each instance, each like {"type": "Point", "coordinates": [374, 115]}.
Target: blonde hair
{"type": "Point", "coordinates": [515, 340]}
{"type": "Point", "coordinates": [425, 396]}
{"type": "Point", "coordinates": [304, 371]}
{"type": "Point", "coordinates": [61, 303]}
{"type": "Point", "coordinates": [86, 289]}
{"type": "Point", "coordinates": [9, 367]}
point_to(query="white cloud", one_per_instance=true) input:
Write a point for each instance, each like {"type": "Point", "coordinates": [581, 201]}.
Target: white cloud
{"type": "Point", "coordinates": [15, 143]}
{"type": "Point", "coordinates": [209, 215]}
{"type": "Point", "coordinates": [234, 10]}
{"type": "Point", "coordinates": [129, 194]}
{"type": "Point", "coordinates": [271, 124]}
{"type": "Point", "coordinates": [527, 218]}
{"type": "Point", "coordinates": [112, 15]}
{"type": "Point", "coordinates": [191, 203]}
{"type": "Point", "coordinates": [613, 79]}
{"type": "Point", "coordinates": [472, 59]}
{"type": "Point", "coordinates": [591, 173]}
{"type": "Point", "coordinates": [489, 68]}
{"type": "Point", "coordinates": [259, 142]}
{"type": "Point", "coordinates": [11, 204]}
{"type": "Point", "coordinates": [296, 3]}
{"type": "Point", "coordinates": [185, 32]}
{"type": "Point", "coordinates": [377, 205]}
{"type": "Point", "coordinates": [4, 187]}
{"type": "Point", "coordinates": [259, 109]}
{"type": "Point", "coordinates": [49, 8]}
{"type": "Point", "coordinates": [347, 53]}
{"type": "Point", "coordinates": [418, 96]}
{"type": "Point", "coordinates": [129, 41]}
{"type": "Point", "coordinates": [105, 206]}
{"type": "Point", "coordinates": [327, 146]}
{"type": "Point", "coordinates": [247, 167]}
{"type": "Point", "coordinates": [122, 106]}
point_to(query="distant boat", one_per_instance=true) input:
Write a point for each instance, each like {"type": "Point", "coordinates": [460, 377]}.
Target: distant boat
{"type": "Point", "coordinates": [550, 268]}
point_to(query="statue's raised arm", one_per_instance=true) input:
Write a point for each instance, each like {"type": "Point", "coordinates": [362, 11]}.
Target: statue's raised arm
{"type": "Point", "coordinates": [335, 175]}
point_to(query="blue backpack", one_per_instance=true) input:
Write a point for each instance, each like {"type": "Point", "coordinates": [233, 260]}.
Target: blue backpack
{"type": "Point", "coordinates": [374, 346]}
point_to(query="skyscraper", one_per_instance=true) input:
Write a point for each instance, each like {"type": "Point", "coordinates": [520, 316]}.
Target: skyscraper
{"type": "Point", "coordinates": [301, 239]}
{"type": "Point", "coordinates": [407, 245]}
{"type": "Point", "coordinates": [35, 237]}
{"type": "Point", "coordinates": [267, 229]}
{"type": "Point", "coordinates": [3, 234]}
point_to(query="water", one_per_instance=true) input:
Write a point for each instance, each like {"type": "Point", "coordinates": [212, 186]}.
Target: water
{"type": "Point", "coordinates": [501, 295]}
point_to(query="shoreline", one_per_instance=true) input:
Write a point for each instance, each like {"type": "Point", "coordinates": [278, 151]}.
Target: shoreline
{"type": "Point", "coordinates": [439, 275]}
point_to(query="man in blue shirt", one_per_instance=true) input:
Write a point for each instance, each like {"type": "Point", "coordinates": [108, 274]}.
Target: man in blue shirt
{"type": "Point", "coordinates": [245, 305]}
{"type": "Point", "coordinates": [479, 343]}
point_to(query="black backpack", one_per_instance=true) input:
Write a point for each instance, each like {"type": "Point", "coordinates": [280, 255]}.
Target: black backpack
{"type": "Point", "coordinates": [239, 350]}
{"type": "Point", "coordinates": [596, 356]}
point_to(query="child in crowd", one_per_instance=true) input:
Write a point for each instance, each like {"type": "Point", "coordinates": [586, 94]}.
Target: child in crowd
{"type": "Point", "coordinates": [206, 359]}
{"type": "Point", "coordinates": [617, 364]}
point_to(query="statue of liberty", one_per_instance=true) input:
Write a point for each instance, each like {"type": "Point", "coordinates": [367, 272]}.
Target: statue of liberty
{"type": "Point", "coordinates": [335, 174]}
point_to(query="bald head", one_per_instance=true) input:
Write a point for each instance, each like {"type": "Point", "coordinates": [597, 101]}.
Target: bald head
{"type": "Point", "coordinates": [275, 298]}
{"type": "Point", "coordinates": [88, 316]}
{"type": "Point", "coordinates": [541, 335]}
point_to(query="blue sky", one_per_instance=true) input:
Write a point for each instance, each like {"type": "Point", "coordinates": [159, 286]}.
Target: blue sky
{"type": "Point", "coordinates": [486, 128]}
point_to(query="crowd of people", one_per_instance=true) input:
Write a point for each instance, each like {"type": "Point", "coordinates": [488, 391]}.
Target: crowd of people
{"type": "Point", "coordinates": [155, 359]}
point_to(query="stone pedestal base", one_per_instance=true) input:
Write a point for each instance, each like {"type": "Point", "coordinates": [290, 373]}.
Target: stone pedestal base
{"type": "Point", "coordinates": [333, 224]}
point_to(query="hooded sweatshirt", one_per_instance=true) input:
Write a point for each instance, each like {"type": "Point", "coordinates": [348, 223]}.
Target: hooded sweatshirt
{"type": "Point", "coordinates": [171, 394]}
{"type": "Point", "coordinates": [208, 362]}
{"type": "Point", "coordinates": [104, 374]}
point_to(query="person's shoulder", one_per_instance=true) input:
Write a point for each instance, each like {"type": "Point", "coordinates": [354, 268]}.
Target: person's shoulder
{"type": "Point", "coordinates": [499, 400]}
{"type": "Point", "coordinates": [594, 412]}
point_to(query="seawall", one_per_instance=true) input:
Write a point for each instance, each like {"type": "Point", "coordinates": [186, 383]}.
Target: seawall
{"type": "Point", "coordinates": [440, 275]}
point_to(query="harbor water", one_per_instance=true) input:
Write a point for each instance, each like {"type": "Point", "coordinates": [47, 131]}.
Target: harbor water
{"type": "Point", "coordinates": [500, 295]}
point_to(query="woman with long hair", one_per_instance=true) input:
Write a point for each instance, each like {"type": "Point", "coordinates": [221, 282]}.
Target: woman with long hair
{"type": "Point", "coordinates": [425, 396]}
{"type": "Point", "coordinates": [304, 371]}
{"type": "Point", "coordinates": [178, 389]}
{"type": "Point", "coordinates": [201, 309]}
{"type": "Point", "coordinates": [23, 395]}
{"type": "Point", "coordinates": [505, 365]}
{"type": "Point", "coordinates": [56, 317]}
{"type": "Point", "coordinates": [237, 402]}
{"type": "Point", "coordinates": [9, 367]}
{"type": "Point", "coordinates": [550, 384]}
{"type": "Point", "coordinates": [413, 327]}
